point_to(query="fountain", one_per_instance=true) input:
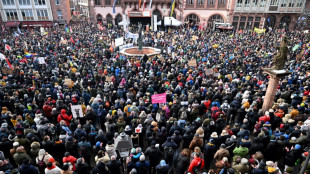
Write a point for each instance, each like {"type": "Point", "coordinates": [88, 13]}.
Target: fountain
{"type": "Point", "coordinates": [140, 50]}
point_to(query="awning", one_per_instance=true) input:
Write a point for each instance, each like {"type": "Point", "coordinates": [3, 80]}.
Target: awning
{"type": "Point", "coordinates": [12, 24]}
{"type": "Point", "coordinates": [37, 23]}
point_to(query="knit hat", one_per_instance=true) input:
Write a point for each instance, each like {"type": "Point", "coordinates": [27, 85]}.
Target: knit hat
{"type": "Point", "coordinates": [98, 144]}
{"type": "Point", "coordinates": [142, 158]}
{"type": "Point", "coordinates": [297, 147]}
{"type": "Point", "coordinates": [223, 146]}
{"type": "Point", "coordinates": [163, 163]}
{"type": "Point", "coordinates": [79, 161]}
{"type": "Point", "coordinates": [244, 161]}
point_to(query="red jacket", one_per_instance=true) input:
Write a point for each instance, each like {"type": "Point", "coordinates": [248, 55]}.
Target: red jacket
{"type": "Point", "coordinates": [70, 159]}
{"type": "Point", "coordinates": [64, 116]}
{"type": "Point", "coordinates": [196, 162]}
{"type": "Point", "coordinates": [47, 110]}
{"type": "Point", "coordinates": [264, 118]}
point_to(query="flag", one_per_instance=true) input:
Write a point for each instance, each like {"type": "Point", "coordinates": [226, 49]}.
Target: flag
{"type": "Point", "coordinates": [295, 47]}
{"type": "Point", "coordinates": [2, 57]}
{"type": "Point", "coordinates": [172, 7]}
{"type": "Point", "coordinates": [114, 6]}
{"type": "Point", "coordinates": [150, 7]}
{"type": "Point", "coordinates": [139, 4]}
{"type": "Point", "coordinates": [15, 34]}
{"type": "Point", "coordinates": [29, 54]}
{"type": "Point", "coordinates": [72, 40]}
{"type": "Point", "coordinates": [71, 30]}
{"type": "Point", "coordinates": [67, 29]}
{"type": "Point", "coordinates": [7, 47]}
{"type": "Point", "coordinates": [19, 30]}
{"type": "Point", "coordinates": [144, 4]}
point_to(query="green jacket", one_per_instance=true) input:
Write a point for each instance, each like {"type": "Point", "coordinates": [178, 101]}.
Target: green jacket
{"type": "Point", "coordinates": [19, 157]}
{"type": "Point", "coordinates": [241, 151]}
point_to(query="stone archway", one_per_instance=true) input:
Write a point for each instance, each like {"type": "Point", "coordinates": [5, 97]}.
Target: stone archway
{"type": "Point", "coordinates": [285, 22]}
{"type": "Point", "coordinates": [99, 18]}
{"type": "Point", "coordinates": [109, 19]}
{"type": "Point", "coordinates": [214, 18]}
{"type": "Point", "coordinates": [192, 18]}
{"type": "Point", "coordinates": [158, 13]}
{"type": "Point", "coordinates": [271, 21]}
{"type": "Point", "coordinates": [118, 19]}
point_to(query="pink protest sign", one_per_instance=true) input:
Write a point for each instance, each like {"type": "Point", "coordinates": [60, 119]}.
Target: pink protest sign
{"type": "Point", "coordinates": [159, 98]}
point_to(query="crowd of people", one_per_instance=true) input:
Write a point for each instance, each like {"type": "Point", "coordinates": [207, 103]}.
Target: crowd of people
{"type": "Point", "coordinates": [212, 121]}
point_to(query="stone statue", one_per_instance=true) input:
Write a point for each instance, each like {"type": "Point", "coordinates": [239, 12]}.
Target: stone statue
{"type": "Point", "coordinates": [140, 36]}
{"type": "Point", "coordinates": [281, 57]}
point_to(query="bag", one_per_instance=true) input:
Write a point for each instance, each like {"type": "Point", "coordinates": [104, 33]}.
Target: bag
{"type": "Point", "coordinates": [169, 151]}
{"type": "Point", "coordinates": [196, 169]}
{"type": "Point", "coordinates": [41, 164]}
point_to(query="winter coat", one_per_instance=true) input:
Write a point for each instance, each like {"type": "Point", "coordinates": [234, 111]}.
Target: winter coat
{"type": "Point", "coordinates": [100, 168]}
{"type": "Point", "coordinates": [114, 166]}
{"type": "Point", "coordinates": [196, 142]}
{"type": "Point", "coordinates": [28, 168]}
{"type": "Point", "coordinates": [222, 152]}
{"type": "Point", "coordinates": [64, 116]}
{"type": "Point", "coordinates": [196, 161]}
{"type": "Point", "coordinates": [82, 168]}
{"type": "Point", "coordinates": [241, 151]}
{"type": "Point", "coordinates": [182, 164]}
{"type": "Point", "coordinates": [154, 155]}
{"type": "Point", "coordinates": [70, 159]}
{"type": "Point", "coordinates": [53, 170]}
{"type": "Point", "coordinates": [209, 151]}
{"type": "Point", "coordinates": [19, 157]}
{"type": "Point", "coordinates": [241, 168]}
{"type": "Point", "coordinates": [110, 150]}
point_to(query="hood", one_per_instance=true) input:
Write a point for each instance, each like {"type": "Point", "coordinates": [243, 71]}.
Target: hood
{"type": "Point", "coordinates": [63, 111]}
{"type": "Point", "coordinates": [35, 145]}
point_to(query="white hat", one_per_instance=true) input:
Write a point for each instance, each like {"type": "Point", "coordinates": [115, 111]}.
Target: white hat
{"type": "Point", "coordinates": [15, 144]}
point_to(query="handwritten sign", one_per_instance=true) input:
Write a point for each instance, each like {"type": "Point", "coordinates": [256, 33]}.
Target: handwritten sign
{"type": "Point", "coordinates": [192, 63]}
{"type": "Point", "coordinates": [77, 111]}
{"type": "Point", "coordinates": [41, 60]}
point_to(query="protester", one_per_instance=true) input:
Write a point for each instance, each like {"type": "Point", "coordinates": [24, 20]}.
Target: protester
{"type": "Point", "coordinates": [211, 121]}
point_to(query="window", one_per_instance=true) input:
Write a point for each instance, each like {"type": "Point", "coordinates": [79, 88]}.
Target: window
{"type": "Point", "coordinates": [291, 4]}
{"type": "Point", "coordinates": [190, 2]}
{"type": "Point", "coordinates": [11, 15]}
{"type": "Point", "coordinates": [239, 3]}
{"type": "Point", "coordinates": [97, 2]}
{"type": "Point", "coordinates": [39, 2]}
{"type": "Point", "coordinates": [107, 2]}
{"type": "Point", "coordinates": [262, 3]}
{"type": "Point", "coordinates": [42, 14]}
{"type": "Point", "coordinates": [243, 18]}
{"type": "Point", "coordinates": [222, 2]}
{"type": "Point", "coordinates": [214, 18]}
{"type": "Point", "coordinates": [254, 3]}
{"type": "Point", "coordinates": [24, 2]}
{"type": "Point", "coordinates": [257, 19]}
{"type": "Point", "coordinates": [57, 2]}
{"type": "Point", "coordinates": [299, 3]}
{"type": "Point", "coordinates": [59, 14]}
{"type": "Point", "coordinates": [8, 2]}
{"type": "Point", "coordinates": [274, 2]}
{"type": "Point", "coordinates": [118, 2]}
{"type": "Point", "coordinates": [211, 2]}
{"type": "Point", "coordinates": [200, 2]}
{"type": "Point", "coordinates": [247, 3]}
{"type": "Point", "coordinates": [27, 15]}
{"type": "Point", "coordinates": [250, 18]}
{"type": "Point", "coordinates": [283, 4]}
{"type": "Point", "coordinates": [192, 18]}
{"type": "Point", "coordinates": [236, 18]}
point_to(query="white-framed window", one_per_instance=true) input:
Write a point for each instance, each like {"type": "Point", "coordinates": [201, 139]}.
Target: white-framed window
{"type": "Point", "coordinates": [190, 2]}
{"type": "Point", "coordinates": [274, 2]}
{"type": "Point", "coordinates": [254, 3]}
{"type": "Point", "coordinates": [222, 2]}
{"type": "Point", "coordinates": [239, 3]}
{"type": "Point", "coordinates": [299, 3]}
{"type": "Point", "coordinates": [27, 14]}
{"type": "Point", "coordinates": [263, 3]}
{"type": "Point", "coordinates": [284, 3]}
{"type": "Point", "coordinates": [42, 14]}
{"type": "Point", "coordinates": [57, 2]}
{"type": "Point", "coordinates": [247, 3]}
{"type": "Point", "coordinates": [291, 3]}
{"type": "Point", "coordinates": [59, 14]}
{"type": "Point", "coordinates": [200, 2]}
{"type": "Point", "coordinates": [24, 2]}
{"type": "Point", "coordinates": [211, 2]}
{"type": "Point", "coordinates": [11, 15]}
{"type": "Point", "coordinates": [39, 2]}
{"type": "Point", "coordinates": [8, 2]}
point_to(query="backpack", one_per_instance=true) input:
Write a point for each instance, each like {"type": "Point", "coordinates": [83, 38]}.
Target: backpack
{"type": "Point", "coordinates": [128, 109]}
{"type": "Point", "coordinates": [41, 164]}
{"type": "Point", "coordinates": [169, 151]}
{"type": "Point", "coordinates": [196, 169]}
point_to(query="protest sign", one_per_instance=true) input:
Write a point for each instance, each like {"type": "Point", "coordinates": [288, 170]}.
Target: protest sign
{"type": "Point", "coordinates": [77, 111]}
{"type": "Point", "coordinates": [138, 130]}
{"type": "Point", "coordinates": [41, 60]}
{"type": "Point", "coordinates": [159, 98]}
{"type": "Point", "coordinates": [192, 63]}
{"type": "Point", "coordinates": [119, 41]}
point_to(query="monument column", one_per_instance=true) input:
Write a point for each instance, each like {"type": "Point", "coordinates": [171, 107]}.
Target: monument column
{"type": "Point", "coordinates": [271, 92]}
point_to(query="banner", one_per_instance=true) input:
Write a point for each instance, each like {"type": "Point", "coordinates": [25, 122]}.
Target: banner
{"type": "Point", "coordinates": [155, 22]}
{"type": "Point", "coordinates": [131, 35]}
{"type": "Point", "coordinates": [119, 41]}
{"type": "Point", "coordinates": [295, 47]}
{"type": "Point", "coordinates": [159, 98]}
{"type": "Point", "coordinates": [259, 31]}
{"type": "Point", "coordinates": [77, 111]}
{"type": "Point", "coordinates": [126, 46]}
